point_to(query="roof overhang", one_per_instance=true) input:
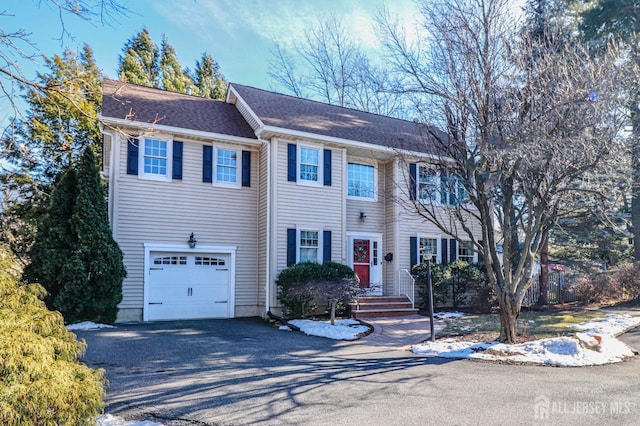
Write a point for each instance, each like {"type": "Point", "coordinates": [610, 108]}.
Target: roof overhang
{"type": "Point", "coordinates": [119, 123]}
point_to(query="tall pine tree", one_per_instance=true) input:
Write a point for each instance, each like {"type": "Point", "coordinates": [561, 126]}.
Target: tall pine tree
{"type": "Point", "coordinates": [75, 257]}
{"type": "Point", "coordinates": [173, 78]}
{"type": "Point", "coordinates": [209, 81]}
{"type": "Point", "coordinates": [139, 62]}
{"type": "Point", "coordinates": [59, 125]}
{"type": "Point", "coordinates": [92, 276]}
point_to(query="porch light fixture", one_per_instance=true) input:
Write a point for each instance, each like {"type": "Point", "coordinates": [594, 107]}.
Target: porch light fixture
{"type": "Point", "coordinates": [192, 241]}
{"type": "Point", "coordinates": [362, 216]}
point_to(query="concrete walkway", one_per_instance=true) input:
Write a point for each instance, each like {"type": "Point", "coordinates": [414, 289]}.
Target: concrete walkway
{"type": "Point", "coordinates": [400, 332]}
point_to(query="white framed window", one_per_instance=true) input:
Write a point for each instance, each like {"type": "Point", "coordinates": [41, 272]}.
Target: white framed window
{"type": "Point", "coordinates": [156, 159]}
{"type": "Point", "coordinates": [466, 252]}
{"type": "Point", "coordinates": [309, 165]}
{"type": "Point", "coordinates": [361, 181]}
{"type": "Point", "coordinates": [428, 249]}
{"type": "Point", "coordinates": [453, 191]}
{"type": "Point", "coordinates": [427, 184]}
{"type": "Point", "coordinates": [226, 167]}
{"type": "Point", "coordinates": [434, 187]}
{"type": "Point", "coordinates": [309, 246]}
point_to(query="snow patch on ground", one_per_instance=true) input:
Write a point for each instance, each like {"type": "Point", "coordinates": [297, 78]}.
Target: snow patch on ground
{"type": "Point", "coordinates": [109, 420]}
{"type": "Point", "coordinates": [561, 351]}
{"type": "Point", "coordinates": [346, 329]}
{"type": "Point", "coordinates": [87, 325]}
{"type": "Point", "coordinates": [447, 315]}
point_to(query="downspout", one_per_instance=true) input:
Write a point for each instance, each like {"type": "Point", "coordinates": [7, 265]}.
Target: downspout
{"type": "Point", "coordinates": [267, 302]}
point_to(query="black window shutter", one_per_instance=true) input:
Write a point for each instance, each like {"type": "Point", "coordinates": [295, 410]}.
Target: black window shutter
{"type": "Point", "coordinates": [132, 156]}
{"type": "Point", "coordinates": [453, 252]}
{"type": "Point", "coordinates": [413, 251]}
{"type": "Point", "coordinates": [327, 167]}
{"type": "Point", "coordinates": [207, 163]}
{"type": "Point", "coordinates": [176, 172]}
{"type": "Point", "coordinates": [291, 162]}
{"type": "Point", "coordinates": [413, 171]}
{"type": "Point", "coordinates": [291, 247]}
{"type": "Point", "coordinates": [480, 258]}
{"type": "Point", "coordinates": [246, 168]}
{"type": "Point", "coordinates": [444, 245]}
{"type": "Point", "coordinates": [326, 246]}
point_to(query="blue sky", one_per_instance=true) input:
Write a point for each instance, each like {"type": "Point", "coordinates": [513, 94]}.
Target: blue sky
{"type": "Point", "coordinates": [237, 33]}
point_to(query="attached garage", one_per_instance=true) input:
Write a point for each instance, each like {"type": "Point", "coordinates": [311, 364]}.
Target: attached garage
{"type": "Point", "coordinates": [188, 284]}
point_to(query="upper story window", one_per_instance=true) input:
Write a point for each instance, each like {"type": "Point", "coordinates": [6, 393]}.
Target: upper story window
{"type": "Point", "coordinates": [308, 246]}
{"type": "Point", "coordinates": [309, 167]}
{"type": "Point", "coordinates": [155, 161]}
{"type": "Point", "coordinates": [361, 180]}
{"type": "Point", "coordinates": [453, 191]}
{"type": "Point", "coordinates": [226, 166]}
{"type": "Point", "coordinates": [431, 186]}
{"type": "Point", "coordinates": [427, 184]}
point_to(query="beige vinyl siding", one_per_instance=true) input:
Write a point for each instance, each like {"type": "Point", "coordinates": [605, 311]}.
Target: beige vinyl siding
{"type": "Point", "coordinates": [390, 226]}
{"type": "Point", "coordinates": [313, 207]}
{"type": "Point", "coordinates": [263, 185]}
{"type": "Point", "coordinates": [168, 212]}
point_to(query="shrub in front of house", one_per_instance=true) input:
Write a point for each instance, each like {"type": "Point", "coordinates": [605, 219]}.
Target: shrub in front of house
{"type": "Point", "coordinates": [458, 283]}
{"type": "Point", "coordinates": [42, 381]}
{"type": "Point", "coordinates": [302, 288]}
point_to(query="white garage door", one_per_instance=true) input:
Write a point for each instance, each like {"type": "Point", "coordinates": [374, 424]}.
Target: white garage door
{"type": "Point", "coordinates": [188, 286]}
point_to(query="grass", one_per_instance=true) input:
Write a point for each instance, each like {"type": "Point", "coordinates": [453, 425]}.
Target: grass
{"type": "Point", "coordinates": [531, 324]}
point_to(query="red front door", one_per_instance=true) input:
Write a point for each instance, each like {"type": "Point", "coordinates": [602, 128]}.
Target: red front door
{"type": "Point", "coordinates": [362, 261]}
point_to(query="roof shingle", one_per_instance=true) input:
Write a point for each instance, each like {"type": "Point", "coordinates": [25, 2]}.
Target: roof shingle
{"type": "Point", "coordinates": [148, 105]}
{"type": "Point", "coordinates": [304, 115]}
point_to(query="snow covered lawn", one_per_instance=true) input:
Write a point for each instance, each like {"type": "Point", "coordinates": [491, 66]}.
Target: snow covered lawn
{"type": "Point", "coordinates": [559, 351]}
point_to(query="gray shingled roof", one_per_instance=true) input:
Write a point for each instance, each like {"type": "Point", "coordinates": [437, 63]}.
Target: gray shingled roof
{"type": "Point", "coordinates": [138, 103]}
{"type": "Point", "coordinates": [304, 115]}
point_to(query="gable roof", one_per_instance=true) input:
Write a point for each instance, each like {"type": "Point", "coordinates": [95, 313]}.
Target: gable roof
{"type": "Point", "coordinates": [126, 101]}
{"type": "Point", "coordinates": [283, 112]}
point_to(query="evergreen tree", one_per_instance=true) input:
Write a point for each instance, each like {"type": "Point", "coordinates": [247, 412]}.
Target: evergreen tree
{"type": "Point", "coordinates": [59, 125]}
{"type": "Point", "coordinates": [140, 61]}
{"type": "Point", "coordinates": [173, 78]}
{"type": "Point", "coordinates": [55, 239]}
{"type": "Point", "coordinates": [602, 21]}
{"type": "Point", "coordinates": [42, 381]}
{"type": "Point", "coordinates": [209, 81]}
{"type": "Point", "coordinates": [92, 275]}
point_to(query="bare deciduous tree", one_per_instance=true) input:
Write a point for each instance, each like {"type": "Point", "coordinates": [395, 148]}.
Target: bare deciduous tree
{"type": "Point", "coordinates": [329, 65]}
{"type": "Point", "coordinates": [522, 140]}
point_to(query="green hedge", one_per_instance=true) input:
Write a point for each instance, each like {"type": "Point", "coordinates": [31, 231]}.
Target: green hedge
{"type": "Point", "coordinates": [301, 304]}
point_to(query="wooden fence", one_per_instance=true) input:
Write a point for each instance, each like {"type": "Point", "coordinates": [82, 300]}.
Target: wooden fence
{"type": "Point", "coordinates": [558, 291]}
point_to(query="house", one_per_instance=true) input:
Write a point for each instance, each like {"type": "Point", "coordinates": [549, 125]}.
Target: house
{"type": "Point", "coordinates": [209, 200]}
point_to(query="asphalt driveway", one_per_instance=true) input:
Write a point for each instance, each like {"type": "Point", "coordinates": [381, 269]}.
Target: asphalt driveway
{"type": "Point", "coordinates": [243, 371]}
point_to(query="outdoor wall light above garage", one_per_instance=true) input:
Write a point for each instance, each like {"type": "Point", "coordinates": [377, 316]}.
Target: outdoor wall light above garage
{"type": "Point", "coordinates": [362, 216]}
{"type": "Point", "coordinates": [192, 241]}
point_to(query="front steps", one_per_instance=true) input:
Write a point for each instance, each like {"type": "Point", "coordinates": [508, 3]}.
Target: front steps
{"type": "Point", "coordinates": [384, 306]}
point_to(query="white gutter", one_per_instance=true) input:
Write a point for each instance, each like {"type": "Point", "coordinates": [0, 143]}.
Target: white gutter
{"type": "Point", "coordinates": [341, 141]}
{"type": "Point", "coordinates": [119, 122]}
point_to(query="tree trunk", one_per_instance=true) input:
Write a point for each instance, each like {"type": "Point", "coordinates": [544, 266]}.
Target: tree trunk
{"type": "Point", "coordinates": [509, 312]}
{"type": "Point", "coordinates": [543, 299]}
{"type": "Point", "coordinates": [333, 311]}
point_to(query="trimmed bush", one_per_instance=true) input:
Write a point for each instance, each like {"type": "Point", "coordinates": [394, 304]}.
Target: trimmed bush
{"type": "Point", "coordinates": [41, 380]}
{"type": "Point", "coordinates": [299, 298]}
{"type": "Point", "coordinates": [453, 282]}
